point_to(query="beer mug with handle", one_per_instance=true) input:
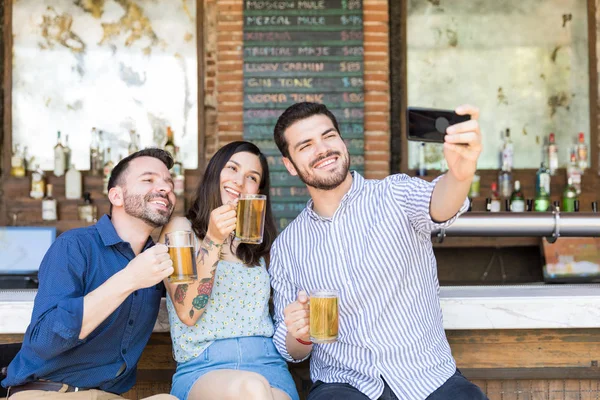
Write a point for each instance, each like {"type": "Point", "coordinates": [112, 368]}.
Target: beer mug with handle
{"type": "Point", "coordinates": [181, 251]}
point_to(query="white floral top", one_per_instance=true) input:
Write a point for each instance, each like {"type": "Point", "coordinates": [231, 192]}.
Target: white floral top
{"type": "Point", "coordinates": [238, 306]}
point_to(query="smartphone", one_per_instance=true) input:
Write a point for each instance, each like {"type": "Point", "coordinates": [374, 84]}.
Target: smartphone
{"type": "Point", "coordinates": [429, 124]}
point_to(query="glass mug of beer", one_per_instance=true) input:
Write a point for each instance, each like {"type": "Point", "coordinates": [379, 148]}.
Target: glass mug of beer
{"type": "Point", "coordinates": [181, 251]}
{"type": "Point", "coordinates": [323, 316]}
{"type": "Point", "coordinates": [251, 209]}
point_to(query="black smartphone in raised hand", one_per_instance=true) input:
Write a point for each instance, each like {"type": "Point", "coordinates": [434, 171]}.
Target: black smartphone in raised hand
{"type": "Point", "coordinates": [429, 124]}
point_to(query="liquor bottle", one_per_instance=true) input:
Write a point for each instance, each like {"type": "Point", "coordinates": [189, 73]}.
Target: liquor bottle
{"type": "Point", "coordinates": [582, 153]}
{"type": "Point", "coordinates": [17, 163]}
{"type": "Point", "coordinates": [178, 174]}
{"type": "Point", "coordinates": [27, 163]}
{"type": "Point", "coordinates": [495, 199]}
{"type": "Point", "coordinates": [528, 205]}
{"type": "Point", "coordinates": [568, 197]}
{"type": "Point", "coordinates": [87, 211]}
{"type": "Point", "coordinates": [133, 142]}
{"type": "Point", "coordinates": [73, 183]}
{"type": "Point", "coordinates": [443, 165]}
{"type": "Point", "coordinates": [59, 157]}
{"type": "Point", "coordinates": [542, 179]}
{"type": "Point", "coordinates": [101, 151]}
{"type": "Point", "coordinates": [507, 152]}
{"type": "Point", "coordinates": [421, 170]}
{"type": "Point", "coordinates": [67, 150]}
{"type": "Point", "coordinates": [49, 206]}
{"type": "Point", "coordinates": [552, 155]}
{"type": "Point", "coordinates": [474, 189]}
{"type": "Point", "coordinates": [488, 204]}
{"type": "Point", "coordinates": [573, 172]}
{"type": "Point", "coordinates": [505, 180]}
{"type": "Point", "coordinates": [517, 200]}
{"type": "Point", "coordinates": [95, 163]}
{"type": "Point", "coordinates": [107, 170]}
{"type": "Point", "coordinates": [541, 202]}
{"type": "Point", "coordinates": [38, 183]}
{"type": "Point", "coordinates": [505, 177]}
{"type": "Point", "coordinates": [170, 144]}
{"type": "Point", "coordinates": [594, 206]}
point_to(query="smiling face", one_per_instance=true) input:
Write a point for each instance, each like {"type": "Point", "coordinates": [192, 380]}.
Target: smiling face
{"type": "Point", "coordinates": [148, 191]}
{"type": "Point", "coordinates": [241, 174]}
{"type": "Point", "coordinates": [318, 155]}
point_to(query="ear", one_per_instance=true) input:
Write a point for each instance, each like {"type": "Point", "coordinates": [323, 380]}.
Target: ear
{"type": "Point", "coordinates": [290, 167]}
{"type": "Point", "coordinates": [115, 195]}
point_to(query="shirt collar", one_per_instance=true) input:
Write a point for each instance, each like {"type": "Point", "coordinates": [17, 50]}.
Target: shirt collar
{"type": "Point", "coordinates": [357, 184]}
{"type": "Point", "coordinates": [109, 235]}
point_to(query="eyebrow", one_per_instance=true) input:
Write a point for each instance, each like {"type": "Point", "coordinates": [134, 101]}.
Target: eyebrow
{"type": "Point", "coordinates": [308, 140]}
{"type": "Point", "coordinates": [239, 165]}
{"type": "Point", "coordinates": [169, 179]}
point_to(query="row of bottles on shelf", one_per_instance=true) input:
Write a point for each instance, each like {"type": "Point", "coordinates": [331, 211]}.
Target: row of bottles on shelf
{"type": "Point", "coordinates": [578, 153]}
{"type": "Point", "coordinates": [86, 211]}
{"type": "Point", "coordinates": [578, 159]}
{"type": "Point", "coordinates": [512, 194]}
{"type": "Point", "coordinates": [101, 163]}
{"type": "Point", "coordinates": [516, 202]}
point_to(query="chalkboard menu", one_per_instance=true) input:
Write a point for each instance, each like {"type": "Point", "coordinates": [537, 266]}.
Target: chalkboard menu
{"type": "Point", "coordinates": [302, 50]}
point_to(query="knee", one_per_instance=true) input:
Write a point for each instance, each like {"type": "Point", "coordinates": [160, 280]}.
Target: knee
{"type": "Point", "coordinates": [251, 386]}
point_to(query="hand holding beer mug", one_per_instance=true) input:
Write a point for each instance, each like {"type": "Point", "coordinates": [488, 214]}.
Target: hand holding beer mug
{"type": "Point", "coordinates": [324, 316]}
{"type": "Point", "coordinates": [181, 251]}
{"type": "Point", "coordinates": [251, 209]}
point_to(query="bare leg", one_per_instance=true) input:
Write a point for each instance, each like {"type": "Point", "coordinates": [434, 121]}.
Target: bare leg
{"type": "Point", "coordinates": [229, 384]}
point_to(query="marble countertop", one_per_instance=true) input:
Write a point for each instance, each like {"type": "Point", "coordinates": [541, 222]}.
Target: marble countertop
{"type": "Point", "coordinates": [531, 306]}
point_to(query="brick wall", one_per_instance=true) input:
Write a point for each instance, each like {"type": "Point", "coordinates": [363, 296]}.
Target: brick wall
{"type": "Point", "coordinates": [224, 79]}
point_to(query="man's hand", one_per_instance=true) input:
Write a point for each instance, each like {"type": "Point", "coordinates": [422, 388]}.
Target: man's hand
{"type": "Point", "coordinates": [149, 267]}
{"type": "Point", "coordinates": [463, 144]}
{"type": "Point", "coordinates": [297, 317]}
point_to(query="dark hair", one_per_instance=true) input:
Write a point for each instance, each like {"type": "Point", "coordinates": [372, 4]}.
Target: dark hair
{"type": "Point", "coordinates": [121, 167]}
{"type": "Point", "coordinates": [208, 197]}
{"type": "Point", "coordinates": [295, 113]}
{"type": "Point", "coordinates": [118, 172]}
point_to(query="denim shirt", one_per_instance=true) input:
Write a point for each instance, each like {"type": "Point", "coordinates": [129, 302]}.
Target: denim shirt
{"type": "Point", "coordinates": [77, 263]}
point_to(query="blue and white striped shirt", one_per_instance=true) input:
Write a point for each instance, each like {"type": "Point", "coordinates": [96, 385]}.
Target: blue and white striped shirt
{"type": "Point", "coordinates": [376, 250]}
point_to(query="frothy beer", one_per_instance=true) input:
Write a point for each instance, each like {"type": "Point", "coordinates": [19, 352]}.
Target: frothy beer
{"type": "Point", "coordinates": [181, 250]}
{"type": "Point", "coordinates": [251, 218]}
{"type": "Point", "coordinates": [323, 316]}
{"type": "Point", "coordinates": [183, 264]}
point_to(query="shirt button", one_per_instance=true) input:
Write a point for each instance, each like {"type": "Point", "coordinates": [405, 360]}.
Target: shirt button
{"type": "Point", "coordinates": [124, 351]}
{"type": "Point", "coordinates": [130, 322]}
{"type": "Point", "coordinates": [135, 293]}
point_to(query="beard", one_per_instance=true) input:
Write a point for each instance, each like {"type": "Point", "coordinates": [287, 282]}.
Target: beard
{"type": "Point", "coordinates": [138, 206]}
{"type": "Point", "coordinates": [325, 183]}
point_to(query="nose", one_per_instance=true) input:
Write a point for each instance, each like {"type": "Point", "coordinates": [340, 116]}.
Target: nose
{"type": "Point", "coordinates": [164, 186]}
{"type": "Point", "coordinates": [321, 147]}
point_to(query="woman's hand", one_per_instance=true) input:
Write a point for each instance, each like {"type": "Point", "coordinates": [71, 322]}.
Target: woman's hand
{"type": "Point", "coordinates": [222, 222]}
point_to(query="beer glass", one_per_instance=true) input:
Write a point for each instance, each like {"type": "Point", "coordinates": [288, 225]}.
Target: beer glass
{"type": "Point", "coordinates": [181, 251]}
{"type": "Point", "coordinates": [323, 316]}
{"type": "Point", "coordinates": [251, 211]}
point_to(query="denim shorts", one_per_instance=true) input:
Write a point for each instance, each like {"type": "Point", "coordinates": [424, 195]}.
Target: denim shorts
{"type": "Point", "coordinates": [255, 354]}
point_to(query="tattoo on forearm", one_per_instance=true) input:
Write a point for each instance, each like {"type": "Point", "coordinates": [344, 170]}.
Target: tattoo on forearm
{"type": "Point", "coordinates": [180, 293]}
{"type": "Point", "coordinates": [205, 247]}
{"type": "Point", "coordinates": [205, 287]}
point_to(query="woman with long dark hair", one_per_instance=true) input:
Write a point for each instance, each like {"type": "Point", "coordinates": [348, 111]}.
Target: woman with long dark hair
{"type": "Point", "coordinates": [220, 324]}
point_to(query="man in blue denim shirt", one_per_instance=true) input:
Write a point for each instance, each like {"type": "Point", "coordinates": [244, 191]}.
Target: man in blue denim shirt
{"type": "Point", "coordinates": [99, 293]}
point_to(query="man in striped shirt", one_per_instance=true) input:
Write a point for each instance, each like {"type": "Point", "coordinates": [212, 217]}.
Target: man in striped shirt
{"type": "Point", "coordinates": [370, 240]}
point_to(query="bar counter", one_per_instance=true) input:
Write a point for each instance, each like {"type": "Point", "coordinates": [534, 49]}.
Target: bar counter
{"type": "Point", "coordinates": [529, 306]}
{"type": "Point", "coordinates": [532, 340]}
